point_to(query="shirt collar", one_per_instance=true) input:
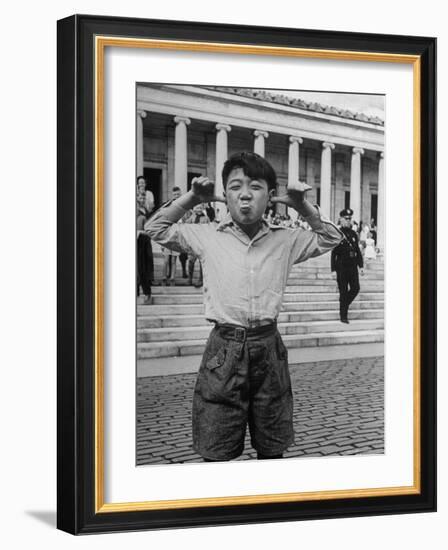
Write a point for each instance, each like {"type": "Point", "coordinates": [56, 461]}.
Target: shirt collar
{"type": "Point", "coordinates": [227, 221]}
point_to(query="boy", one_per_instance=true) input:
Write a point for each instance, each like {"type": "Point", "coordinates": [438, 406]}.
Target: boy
{"type": "Point", "coordinates": [244, 377]}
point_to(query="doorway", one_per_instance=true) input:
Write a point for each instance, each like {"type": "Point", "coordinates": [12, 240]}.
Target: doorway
{"type": "Point", "coordinates": [153, 178]}
{"type": "Point", "coordinates": [374, 207]}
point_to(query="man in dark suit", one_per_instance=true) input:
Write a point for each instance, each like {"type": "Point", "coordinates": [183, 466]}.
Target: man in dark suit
{"type": "Point", "coordinates": [346, 258]}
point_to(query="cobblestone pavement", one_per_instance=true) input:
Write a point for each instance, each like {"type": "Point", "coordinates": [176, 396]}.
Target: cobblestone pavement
{"type": "Point", "coordinates": [338, 410]}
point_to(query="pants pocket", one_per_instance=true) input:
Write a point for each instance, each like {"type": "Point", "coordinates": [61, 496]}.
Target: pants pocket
{"type": "Point", "coordinates": [281, 380]}
{"type": "Point", "coordinates": [217, 375]}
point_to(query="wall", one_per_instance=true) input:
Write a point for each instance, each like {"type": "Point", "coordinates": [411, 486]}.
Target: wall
{"type": "Point", "coordinates": [28, 277]}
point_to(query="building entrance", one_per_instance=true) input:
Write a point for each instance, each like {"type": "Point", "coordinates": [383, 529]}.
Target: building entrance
{"type": "Point", "coordinates": [374, 208]}
{"type": "Point", "coordinates": [153, 178]}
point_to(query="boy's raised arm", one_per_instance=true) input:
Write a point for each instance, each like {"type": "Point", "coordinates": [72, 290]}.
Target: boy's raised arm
{"type": "Point", "coordinates": [162, 226]}
{"type": "Point", "coordinates": [295, 198]}
{"type": "Point", "coordinates": [324, 235]}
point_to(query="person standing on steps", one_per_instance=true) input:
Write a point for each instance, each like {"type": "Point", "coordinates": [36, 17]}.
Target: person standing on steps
{"type": "Point", "coordinates": [346, 258]}
{"type": "Point", "coordinates": [145, 260]}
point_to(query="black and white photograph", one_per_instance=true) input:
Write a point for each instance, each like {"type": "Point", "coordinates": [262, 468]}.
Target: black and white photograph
{"type": "Point", "coordinates": [260, 233]}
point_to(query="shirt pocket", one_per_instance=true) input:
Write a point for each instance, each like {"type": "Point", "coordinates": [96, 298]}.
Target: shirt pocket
{"type": "Point", "coordinates": [274, 269]}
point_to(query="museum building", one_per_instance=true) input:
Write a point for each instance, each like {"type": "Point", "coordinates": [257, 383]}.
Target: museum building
{"type": "Point", "coordinates": [185, 131]}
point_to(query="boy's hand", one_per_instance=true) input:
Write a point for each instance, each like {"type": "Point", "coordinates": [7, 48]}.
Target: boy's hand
{"type": "Point", "coordinates": [295, 195]}
{"type": "Point", "coordinates": [204, 190]}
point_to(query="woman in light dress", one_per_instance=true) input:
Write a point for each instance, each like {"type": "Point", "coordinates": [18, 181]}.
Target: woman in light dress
{"type": "Point", "coordinates": [370, 252]}
{"type": "Point", "coordinates": [364, 229]}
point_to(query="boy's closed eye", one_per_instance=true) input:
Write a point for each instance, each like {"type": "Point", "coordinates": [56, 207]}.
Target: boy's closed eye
{"type": "Point", "coordinates": [235, 186]}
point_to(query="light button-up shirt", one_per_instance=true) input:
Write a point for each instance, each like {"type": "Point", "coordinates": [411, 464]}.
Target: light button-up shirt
{"type": "Point", "coordinates": [244, 279]}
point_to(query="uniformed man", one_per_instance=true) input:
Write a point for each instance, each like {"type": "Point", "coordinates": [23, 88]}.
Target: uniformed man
{"type": "Point", "coordinates": [346, 258]}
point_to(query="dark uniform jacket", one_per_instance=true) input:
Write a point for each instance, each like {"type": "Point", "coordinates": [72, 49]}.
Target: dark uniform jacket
{"type": "Point", "coordinates": [347, 254]}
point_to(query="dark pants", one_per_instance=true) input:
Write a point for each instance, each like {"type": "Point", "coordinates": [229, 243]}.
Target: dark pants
{"type": "Point", "coordinates": [243, 380]}
{"type": "Point", "coordinates": [191, 264]}
{"type": "Point", "coordinates": [348, 284]}
{"type": "Point", "coordinates": [183, 262]}
{"type": "Point", "coordinates": [145, 264]}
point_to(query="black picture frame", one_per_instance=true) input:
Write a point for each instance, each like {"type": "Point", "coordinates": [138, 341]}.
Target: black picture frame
{"type": "Point", "coordinates": [77, 474]}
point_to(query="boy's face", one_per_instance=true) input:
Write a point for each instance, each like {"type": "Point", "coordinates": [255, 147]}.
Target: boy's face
{"type": "Point", "coordinates": [246, 199]}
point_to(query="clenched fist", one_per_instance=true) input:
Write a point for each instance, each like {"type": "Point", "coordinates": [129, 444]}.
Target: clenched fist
{"type": "Point", "coordinates": [204, 190]}
{"type": "Point", "coordinates": [294, 196]}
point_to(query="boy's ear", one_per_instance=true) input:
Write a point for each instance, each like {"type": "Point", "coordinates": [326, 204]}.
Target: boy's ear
{"type": "Point", "coordinates": [272, 193]}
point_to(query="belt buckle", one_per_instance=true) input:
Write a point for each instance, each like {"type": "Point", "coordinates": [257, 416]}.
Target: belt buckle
{"type": "Point", "coordinates": [240, 333]}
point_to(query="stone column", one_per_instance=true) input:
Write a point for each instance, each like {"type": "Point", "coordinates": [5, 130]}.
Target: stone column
{"type": "Point", "coordinates": [355, 183]}
{"type": "Point", "coordinates": [293, 159]}
{"type": "Point", "coordinates": [293, 166]}
{"type": "Point", "coordinates": [381, 221]}
{"type": "Point", "coordinates": [221, 156]}
{"type": "Point", "coordinates": [180, 153]}
{"type": "Point", "coordinates": [141, 115]}
{"type": "Point", "coordinates": [325, 178]}
{"type": "Point", "coordinates": [259, 137]}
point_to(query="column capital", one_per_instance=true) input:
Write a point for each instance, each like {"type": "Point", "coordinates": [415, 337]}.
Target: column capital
{"type": "Point", "coordinates": [220, 126]}
{"type": "Point", "coordinates": [358, 151]}
{"type": "Point", "coordinates": [184, 119]}
{"type": "Point", "coordinates": [295, 139]}
{"type": "Point", "coordinates": [141, 113]}
{"type": "Point", "coordinates": [328, 145]}
{"type": "Point", "coordinates": [261, 133]}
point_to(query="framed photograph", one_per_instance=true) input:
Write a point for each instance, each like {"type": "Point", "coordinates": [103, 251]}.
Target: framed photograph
{"type": "Point", "coordinates": [246, 274]}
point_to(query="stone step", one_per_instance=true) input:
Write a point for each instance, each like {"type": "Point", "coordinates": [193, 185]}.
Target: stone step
{"type": "Point", "coordinates": [315, 306]}
{"type": "Point", "coordinates": [173, 334]}
{"type": "Point", "coordinates": [198, 309]}
{"type": "Point", "coordinates": [285, 317]}
{"type": "Point", "coordinates": [309, 265]}
{"type": "Point", "coordinates": [319, 273]}
{"type": "Point", "coordinates": [196, 347]}
{"type": "Point", "coordinates": [328, 296]}
{"type": "Point", "coordinates": [298, 278]}
{"type": "Point", "coordinates": [168, 299]}
{"type": "Point", "coordinates": [325, 275]}
{"type": "Point", "coordinates": [317, 286]}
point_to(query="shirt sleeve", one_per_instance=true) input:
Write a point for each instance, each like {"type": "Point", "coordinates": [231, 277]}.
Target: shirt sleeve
{"type": "Point", "coordinates": [323, 237]}
{"type": "Point", "coordinates": [140, 222]}
{"type": "Point", "coordinates": [163, 228]}
{"type": "Point", "coordinates": [149, 201]}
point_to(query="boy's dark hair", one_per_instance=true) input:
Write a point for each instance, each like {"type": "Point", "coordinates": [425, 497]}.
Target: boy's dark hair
{"type": "Point", "coordinates": [254, 166]}
{"type": "Point", "coordinates": [176, 188]}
